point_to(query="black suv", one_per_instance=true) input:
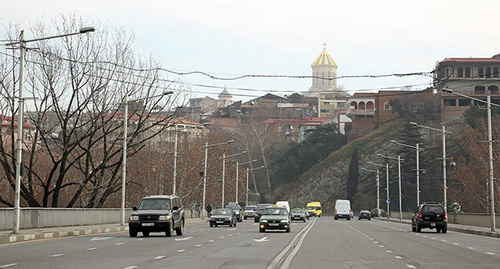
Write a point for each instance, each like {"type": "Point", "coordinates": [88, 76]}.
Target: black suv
{"type": "Point", "coordinates": [429, 215]}
{"type": "Point", "coordinates": [157, 213]}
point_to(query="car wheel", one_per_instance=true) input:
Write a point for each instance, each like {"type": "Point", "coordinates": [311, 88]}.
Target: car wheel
{"type": "Point", "coordinates": [359, 218]}
{"type": "Point", "coordinates": [319, 216]}
{"type": "Point", "coordinates": [413, 229]}
{"type": "Point", "coordinates": [304, 220]}
{"type": "Point", "coordinates": [146, 234]}
{"type": "Point", "coordinates": [211, 225]}
{"type": "Point", "coordinates": [369, 218]}
{"type": "Point", "coordinates": [235, 224]}
{"type": "Point", "coordinates": [444, 230]}
{"type": "Point", "coordinates": [348, 218]}
{"type": "Point", "coordinates": [419, 230]}
{"type": "Point", "coordinates": [335, 218]}
{"type": "Point", "coordinates": [230, 225]}
{"type": "Point", "coordinates": [170, 231]}
{"type": "Point", "coordinates": [244, 217]}
{"type": "Point", "coordinates": [132, 233]}
{"type": "Point", "coordinates": [438, 230]}
{"type": "Point", "coordinates": [180, 230]}
{"type": "Point", "coordinates": [288, 230]}
{"type": "Point", "coordinates": [262, 230]}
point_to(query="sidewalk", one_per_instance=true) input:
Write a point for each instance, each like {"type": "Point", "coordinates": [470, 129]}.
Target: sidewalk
{"type": "Point", "coordinates": [44, 233]}
{"type": "Point", "coordinates": [477, 230]}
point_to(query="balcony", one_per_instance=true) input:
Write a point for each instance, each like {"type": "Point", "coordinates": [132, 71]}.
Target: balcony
{"type": "Point", "coordinates": [361, 112]}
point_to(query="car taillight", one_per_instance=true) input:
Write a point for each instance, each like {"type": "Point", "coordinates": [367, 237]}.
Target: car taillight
{"type": "Point", "coordinates": [335, 211]}
{"type": "Point", "coordinates": [444, 216]}
{"type": "Point", "coordinates": [420, 215]}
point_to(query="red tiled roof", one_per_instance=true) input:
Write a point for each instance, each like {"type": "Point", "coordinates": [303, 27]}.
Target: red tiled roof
{"type": "Point", "coordinates": [6, 122]}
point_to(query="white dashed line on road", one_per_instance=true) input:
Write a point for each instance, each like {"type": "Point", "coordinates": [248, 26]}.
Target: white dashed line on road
{"type": "Point", "coordinates": [375, 242]}
{"type": "Point", "coordinates": [8, 265]}
{"type": "Point", "coordinates": [56, 255]}
{"type": "Point", "coordinates": [131, 267]}
{"type": "Point", "coordinates": [490, 253]}
{"type": "Point", "coordinates": [398, 257]}
{"type": "Point", "coordinates": [389, 251]}
{"type": "Point", "coordinates": [117, 244]}
{"type": "Point", "coordinates": [180, 250]}
{"type": "Point", "coordinates": [159, 257]}
{"type": "Point", "coordinates": [199, 245]}
{"type": "Point", "coordinates": [89, 249]}
{"type": "Point", "coordinates": [380, 246]}
{"type": "Point", "coordinates": [410, 266]}
{"type": "Point", "coordinates": [444, 240]}
{"type": "Point", "coordinates": [456, 244]}
{"type": "Point", "coordinates": [471, 248]}
{"type": "Point", "coordinates": [211, 241]}
{"type": "Point", "coordinates": [222, 237]}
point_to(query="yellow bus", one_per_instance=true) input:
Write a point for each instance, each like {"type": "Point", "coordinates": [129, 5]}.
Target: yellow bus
{"type": "Point", "coordinates": [314, 208]}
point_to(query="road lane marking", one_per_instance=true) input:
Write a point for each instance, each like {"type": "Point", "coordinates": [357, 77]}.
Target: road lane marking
{"type": "Point", "coordinates": [456, 244]}
{"type": "Point", "coordinates": [222, 237]}
{"type": "Point", "coordinates": [381, 246]}
{"type": "Point", "coordinates": [398, 257]}
{"type": "Point", "coordinates": [263, 239]}
{"type": "Point", "coordinates": [117, 244]}
{"type": "Point", "coordinates": [434, 238]}
{"type": "Point", "coordinates": [211, 241]}
{"type": "Point", "coordinates": [375, 242]}
{"type": "Point", "coordinates": [410, 266]}
{"type": "Point", "coordinates": [9, 265]}
{"type": "Point", "coordinates": [100, 238]}
{"type": "Point", "coordinates": [389, 251]}
{"type": "Point", "coordinates": [490, 253]}
{"type": "Point", "coordinates": [91, 249]}
{"type": "Point", "coordinates": [444, 240]}
{"type": "Point", "coordinates": [184, 239]}
{"type": "Point", "coordinates": [131, 267]}
{"type": "Point", "coordinates": [159, 257]}
{"type": "Point", "coordinates": [471, 248]}
{"type": "Point", "coordinates": [199, 245]}
{"type": "Point", "coordinates": [56, 255]}
{"type": "Point", "coordinates": [180, 250]}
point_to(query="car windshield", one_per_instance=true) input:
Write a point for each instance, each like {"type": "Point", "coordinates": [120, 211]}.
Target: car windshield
{"type": "Point", "coordinates": [433, 209]}
{"type": "Point", "coordinates": [313, 208]}
{"type": "Point", "coordinates": [222, 212]}
{"type": "Point", "coordinates": [236, 208]}
{"type": "Point", "coordinates": [261, 207]}
{"type": "Point", "coordinates": [250, 208]}
{"type": "Point", "coordinates": [296, 210]}
{"type": "Point", "coordinates": [364, 211]}
{"type": "Point", "coordinates": [275, 211]}
{"type": "Point", "coordinates": [155, 204]}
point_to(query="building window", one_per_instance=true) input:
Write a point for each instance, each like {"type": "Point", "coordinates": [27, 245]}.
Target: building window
{"type": "Point", "coordinates": [353, 105]}
{"type": "Point", "coordinates": [495, 72]}
{"type": "Point", "coordinates": [464, 102]}
{"type": "Point", "coordinates": [326, 103]}
{"type": "Point", "coordinates": [387, 106]}
{"type": "Point", "coordinates": [481, 72]}
{"type": "Point", "coordinates": [235, 123]}
{"type": "Point", "coordinates": [467, 72]}
{"type": "Point", "coordinates": [362, 105]}
{"type": "Point", "coordinates": [279, 129]}
{"type": "Point", "coordinates": [479, 90]}
{"type": "Point", "coordinates": [449, 102]}
{"type": "Point", "coordinates": [460, 72]}
{"type": "Point", "coordinates": [488, 72]}
{"type": "Point", "coordinates": [322, 78]}
{"type": "Point", "coordinates": [493, 89]}
{"type": "Point", "coordinates": [327, 111]}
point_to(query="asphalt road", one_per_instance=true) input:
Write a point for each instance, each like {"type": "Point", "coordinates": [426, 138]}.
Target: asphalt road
{"type": "Point", "coordinates": [318, 243]}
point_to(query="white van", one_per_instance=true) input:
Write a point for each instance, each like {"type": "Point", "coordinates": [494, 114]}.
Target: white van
{"type": "Point", "coordinates": [284, 204]}
{"type": "Point", "coordinates": [343, 209]}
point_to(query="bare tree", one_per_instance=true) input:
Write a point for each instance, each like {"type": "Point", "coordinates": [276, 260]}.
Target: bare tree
{"type": "Point", "coordinates": [75, 156]}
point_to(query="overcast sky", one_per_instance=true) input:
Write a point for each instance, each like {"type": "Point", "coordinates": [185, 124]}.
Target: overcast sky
{"type": "Point", "coordinates": [273, 37]}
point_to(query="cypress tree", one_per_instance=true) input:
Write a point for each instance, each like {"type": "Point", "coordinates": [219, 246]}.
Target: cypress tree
{"type": "Point", "coordinates": [352, 178]}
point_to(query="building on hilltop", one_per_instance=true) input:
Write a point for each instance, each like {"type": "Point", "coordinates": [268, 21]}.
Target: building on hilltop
{"type": "Point", "coordinates": [475, 77]}
{"type": "Point", "coordinates": [324, 86]}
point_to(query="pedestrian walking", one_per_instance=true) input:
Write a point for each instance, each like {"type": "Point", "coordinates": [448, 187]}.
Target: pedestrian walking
{"type": "Point", "coordinates": [198, 210]}
{"type": "Point", "coordinates": [193, 208]}
{"type": "Point", "coordinates": [209, 209]}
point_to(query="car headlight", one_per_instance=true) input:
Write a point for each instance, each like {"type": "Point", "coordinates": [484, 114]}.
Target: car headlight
{"type": "Point", "coordinates": [264, 220]}
{"type": "Point", "coordinates": [284, 221]}
{"type": "Point", "coordinates": [134, 218]}
{"type": "Point", "coordinates": [164, 218]}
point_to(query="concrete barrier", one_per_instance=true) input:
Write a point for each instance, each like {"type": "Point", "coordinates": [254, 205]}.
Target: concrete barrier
{"type": "Point", "coordinates": [59, 217]}
{"type": "Point", "coordinates": [474, 219]}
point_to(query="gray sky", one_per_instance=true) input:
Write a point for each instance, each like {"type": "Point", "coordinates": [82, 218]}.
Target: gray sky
{"type": "Point", "coordinates": [228, 38]}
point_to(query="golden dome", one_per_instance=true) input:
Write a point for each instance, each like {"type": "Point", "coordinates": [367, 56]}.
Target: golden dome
{"type": "Point", "coordinates": [324, 59]}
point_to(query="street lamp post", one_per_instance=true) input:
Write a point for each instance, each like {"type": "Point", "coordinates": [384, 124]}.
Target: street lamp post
{"type": "Point", "coordinates": [22, 45]}
{"type": "Point", "coordinates": [205, 172]}
{"type": "Point", "coordinates": [418, 165]}
{"type": "Point", "coordinates": [175, 161]}
{"type": "Point", "coordinates": [224, 171]}
{"type": "Point", "coordinates": [246, 191]}
{"type": "Point", "coordinates": [388, 200]}
{"type": "Point", "coordinates": [443, 132]}
{"type": "Point", "coordinates": [378, 188]}
{"type": "Point", "coordinates": [125, 132]}
{"type": "Point", "coordinates": [237, 165]}
{"type": "Point", "coordinates": [399, 182]}
{"type": "Point", "coordinates": [490, 151]}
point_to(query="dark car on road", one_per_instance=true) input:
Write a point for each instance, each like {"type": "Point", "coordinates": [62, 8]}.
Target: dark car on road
{"type": "Point", "coordinates": [259, 210]}
{"type": "Point", "coordinates": [378, 213]}
{"type": "Point", "coordinates": [275, 218]}
{"type": "Point", "coordinates": [223, 216]}
{"type": "Point", "coordinates": [429, 215]}
{"type": "Point", "coordinates": [237, 210]}
{"type": "Point", "coordinates": [158, 213]}
{"type": "Point", "coordinates": [364, 214]}
{"type": "Point", "coordinates": [299, 214]}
